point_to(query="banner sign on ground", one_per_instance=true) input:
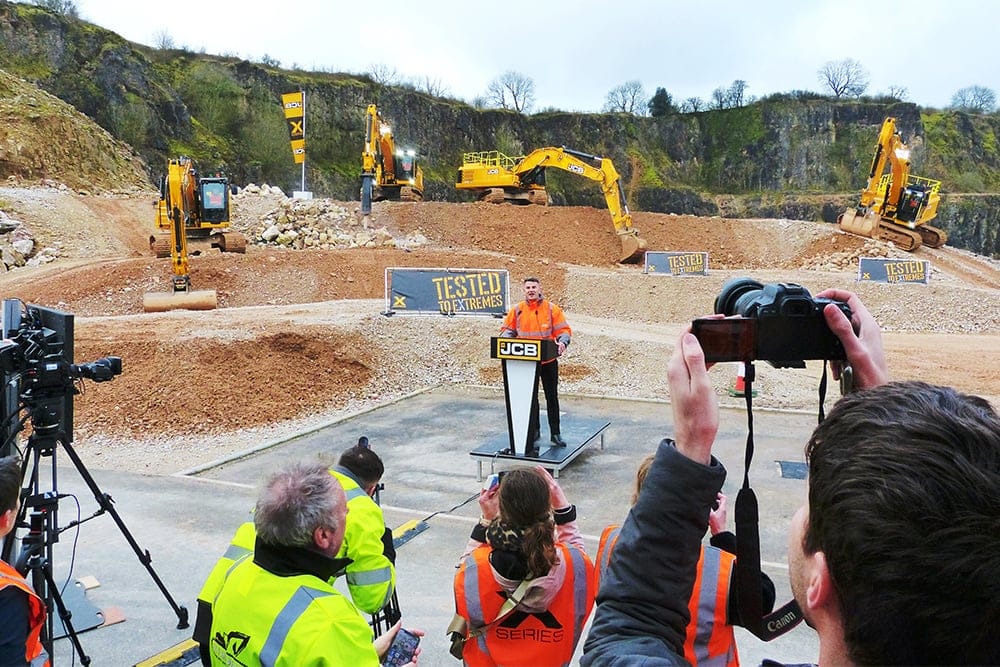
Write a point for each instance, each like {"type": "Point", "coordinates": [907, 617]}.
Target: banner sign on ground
{"type": "Point", "coordinates": [677, 263]}
{"type": "Point", "coordinates": [447, 291]}
{"type": "Point", "coordinates": [882, 270]}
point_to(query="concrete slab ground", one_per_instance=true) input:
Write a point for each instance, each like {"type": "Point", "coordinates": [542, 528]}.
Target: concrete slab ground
{"type": "Point", "coordinates": [185, 520]}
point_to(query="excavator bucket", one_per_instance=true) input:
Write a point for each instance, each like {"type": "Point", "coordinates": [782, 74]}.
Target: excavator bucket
{"type": "Point", "coordinates": [862, 225]}
{"type": "Point", "coordinates": [633, 249]}
{"type": "Point", "coordinates": [159, 302]}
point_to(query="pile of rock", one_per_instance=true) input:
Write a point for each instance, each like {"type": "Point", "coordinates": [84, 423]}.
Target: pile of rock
{"type": "Point", "coordinates": [848, 260]}
{"type": "Point", "coordinates": [17, 245]}
{"type": "Point", "coordinates": [320, 224]}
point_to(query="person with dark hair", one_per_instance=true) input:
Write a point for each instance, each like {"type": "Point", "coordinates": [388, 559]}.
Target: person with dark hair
{"type": "Point", "coordinates": [892, 559]}
{"type": "Point", "coordinates": [278, 606]}
{"type": "Point", "coordinates": [536, 317]}
{"type": "Point", "coordinates": [524, 584]}
{"type": "Point", "coordinates": [714, 609]}
{"type": "Point", "coordinates": [22, 611]}
{"type": "Point", "coordinates": [367, 554]}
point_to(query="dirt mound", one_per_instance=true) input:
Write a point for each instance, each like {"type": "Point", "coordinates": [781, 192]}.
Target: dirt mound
{"type": "Point", "coordinates": [299, 336]}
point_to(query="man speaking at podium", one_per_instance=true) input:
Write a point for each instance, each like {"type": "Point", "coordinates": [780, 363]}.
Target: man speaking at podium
{"type": "Point", "coordinates": [536, 317]}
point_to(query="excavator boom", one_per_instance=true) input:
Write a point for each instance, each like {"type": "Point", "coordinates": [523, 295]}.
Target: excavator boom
{"type": "Point", "coordinates": [496, 178]}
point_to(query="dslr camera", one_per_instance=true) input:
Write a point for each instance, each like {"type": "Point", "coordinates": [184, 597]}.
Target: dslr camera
{"type": "Point", "coordinates": [780, 323]}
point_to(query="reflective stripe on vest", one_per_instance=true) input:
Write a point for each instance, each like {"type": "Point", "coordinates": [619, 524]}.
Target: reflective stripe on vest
{"type": "Point", "coordinates": [283, 623]}
{"type": "Point", "coordinates": [572, 604]}
{"type": "Point", "coordinates": [34, 652]}
{"type": "Point", "coordinates": [709, 639]}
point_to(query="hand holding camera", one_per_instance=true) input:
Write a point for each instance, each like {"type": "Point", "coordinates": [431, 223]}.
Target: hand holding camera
{"type": "Point", "coordinates": [780, 323]}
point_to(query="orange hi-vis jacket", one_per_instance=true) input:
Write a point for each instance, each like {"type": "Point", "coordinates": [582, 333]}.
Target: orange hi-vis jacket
{"type": "Point", "coordinates": [538, 319]}
{"type": "Point", "coordinates": [709, 640]}
{"type": "Point", "coordinates": [34, 652]}
{"type": "Point", "coordinates": [520, 638]}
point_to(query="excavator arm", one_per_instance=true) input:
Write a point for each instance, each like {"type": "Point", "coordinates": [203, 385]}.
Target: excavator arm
{"type": "Point", "coordinates": [498, 177]}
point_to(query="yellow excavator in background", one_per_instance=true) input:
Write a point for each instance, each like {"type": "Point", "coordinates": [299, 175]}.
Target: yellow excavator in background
{"type": "Point", "coordinates": [497, 178]}
{"type": "Point", "coordinates": [895, 206]}
{"type": "Point", "coordinates": [387, 172]}
{"type": "Point", "coordinates": [190, 215]}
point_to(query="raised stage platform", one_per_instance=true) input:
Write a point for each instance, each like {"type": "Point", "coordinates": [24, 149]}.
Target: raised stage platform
{"type": "Point", "coordinates": [578, 432]}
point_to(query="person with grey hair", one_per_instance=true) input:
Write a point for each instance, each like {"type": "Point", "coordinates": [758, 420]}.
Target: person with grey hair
{"type": "Point", "coordinates": [277, 606]}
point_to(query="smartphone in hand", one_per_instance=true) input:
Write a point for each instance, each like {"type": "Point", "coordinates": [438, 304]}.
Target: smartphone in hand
{"type": "Point", "coordinates": [400, 653]}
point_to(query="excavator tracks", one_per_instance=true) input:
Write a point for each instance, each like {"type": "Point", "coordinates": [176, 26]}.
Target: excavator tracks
{"type": "Point", "coordinates": [409, 194]}
{"type": "Point", "coordinates": [904, 238]}
{"type": "Point", "coordinates": [932, 237]}
{"type": "Point", "coordinates": [230, 242]}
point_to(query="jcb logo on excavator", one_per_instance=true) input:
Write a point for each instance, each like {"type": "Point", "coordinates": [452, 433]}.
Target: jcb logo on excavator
{"type": "Point", "coordinates": [493, 172]}
{"type": "Point", "coordinates": [575, 168]}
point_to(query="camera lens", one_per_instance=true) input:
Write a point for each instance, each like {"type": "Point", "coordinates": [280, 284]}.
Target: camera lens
{"type": "Point", "coordinates": [736, 295]}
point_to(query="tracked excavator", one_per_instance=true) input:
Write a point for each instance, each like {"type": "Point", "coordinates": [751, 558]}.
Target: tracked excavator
{"type": "Point", "coordinates": [895, 206]}
{"type": "Point", "coordinates": [387, 172]}
{"type": "Point", "coordinates": [191, 214]}
{"type": "Point", "coordinates": [497, 178]}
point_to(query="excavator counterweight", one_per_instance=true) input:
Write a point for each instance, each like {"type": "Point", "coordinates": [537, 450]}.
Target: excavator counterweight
{"type": "Point", "coordinates": [497, 178]}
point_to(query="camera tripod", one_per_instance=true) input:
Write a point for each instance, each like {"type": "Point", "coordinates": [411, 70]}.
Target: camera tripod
{"type": "Point", "coordinates": [36, 553]}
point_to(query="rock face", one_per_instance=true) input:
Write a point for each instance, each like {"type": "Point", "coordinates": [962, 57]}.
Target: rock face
{"type": "Point", "coordinates": [762, 154]}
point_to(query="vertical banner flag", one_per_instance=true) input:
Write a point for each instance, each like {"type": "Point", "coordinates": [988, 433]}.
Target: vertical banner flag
{"type": "Point", "coordinates": [295, 113]}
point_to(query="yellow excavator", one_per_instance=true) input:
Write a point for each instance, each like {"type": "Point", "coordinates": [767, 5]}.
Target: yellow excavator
{"type": "Point", "coordinates": [497, 178]}
{"type": "Point", "coordinates": [896, 206]}
{"type": "Point", "coordinates": [387, 172]}
{"type": "Point", "coordinates": [191, 214]}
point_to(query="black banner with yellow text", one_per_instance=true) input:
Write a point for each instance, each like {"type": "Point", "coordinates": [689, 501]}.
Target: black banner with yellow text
{"type": "Point", "coordinates": [447, 291]}
{"type": "Point", "coordinates": [677, 263]}
{"type": "Point", "coordinates": [882, 270]}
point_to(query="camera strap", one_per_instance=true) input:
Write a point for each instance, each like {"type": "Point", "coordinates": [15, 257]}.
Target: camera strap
{"type": "Point", "coordinates": [747, 566]}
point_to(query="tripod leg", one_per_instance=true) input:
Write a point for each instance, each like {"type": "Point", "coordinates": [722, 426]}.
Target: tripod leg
{"type": "Point", "coordinates": [144, 557]}
{"type": "Point", "coordinates": [64, 614]}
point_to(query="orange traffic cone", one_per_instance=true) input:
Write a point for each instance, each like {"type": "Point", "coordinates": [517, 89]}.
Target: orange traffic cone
{"type": "Point", "coordinates": [740, 389]}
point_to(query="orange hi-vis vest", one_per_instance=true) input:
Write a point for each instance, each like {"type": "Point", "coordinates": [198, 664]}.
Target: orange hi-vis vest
{"type": "Point", "coordinates": [709, 640]}
{"type": "Point", "coordinates": [34, 652]}
{"type": "Point", "coordinates": [540, 319]}
{"type": "Point", "coordinates": [520, 638]}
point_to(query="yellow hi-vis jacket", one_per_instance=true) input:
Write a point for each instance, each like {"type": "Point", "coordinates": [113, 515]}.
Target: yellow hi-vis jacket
{"type": "Point", "coordinates": [709, 640]}
{"type": "Point", "coordinates": [371, 576]}
{"type": "Point", "coordinates": [260, 618]}
{"type": "Point", "coordinates": [34, 652]}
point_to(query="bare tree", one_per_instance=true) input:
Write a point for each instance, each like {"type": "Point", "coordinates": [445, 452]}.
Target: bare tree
{"type": "Point", "coordinates": [512, 90]}
{"type": "Point", "coordinates": [433, 87]}
{"type": "Point", "coordinates": [844, 77]}
{"type": "Point", "coordinates": [692, 104]}
{"type": "Point", "coordinates": [66, 7]}
{"type": "Point", "coordinates": [900, 93]}
{"type": "Point", "coordinates": [384, 74]}
{"type": "Point", "coordinates": [629, 97]}
{"type": "Point", "coordinates": [737, 93]}
{"type": "Point", "coordinates": [720, 98]}
{"type": "Point", "coordinates": [977, 99]}
{"type": "Point", "coordinates": [163, 40]}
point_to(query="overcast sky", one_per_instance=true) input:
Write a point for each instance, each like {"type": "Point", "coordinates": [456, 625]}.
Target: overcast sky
{"type": "Point", "coordinates": [576, 51]}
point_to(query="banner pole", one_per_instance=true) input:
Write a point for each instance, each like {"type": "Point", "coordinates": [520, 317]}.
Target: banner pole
{"type": "Point", "coordinates": [303, 140]}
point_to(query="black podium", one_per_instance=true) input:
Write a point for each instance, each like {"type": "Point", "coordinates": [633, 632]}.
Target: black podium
{"type": "Point", "coordinates": [520, 358]}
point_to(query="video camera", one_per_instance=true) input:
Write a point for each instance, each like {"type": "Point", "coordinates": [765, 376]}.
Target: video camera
{"type": "Point", "coordinates": [36, 360]}
{"type": "Point", "coordinates": [780, 323]}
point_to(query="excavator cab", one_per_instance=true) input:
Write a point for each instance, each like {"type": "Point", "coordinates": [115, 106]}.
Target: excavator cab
{"type": "Point", "coordinates": [214, 200]}
{"type": "Point", "coordinates": [912, 200]}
